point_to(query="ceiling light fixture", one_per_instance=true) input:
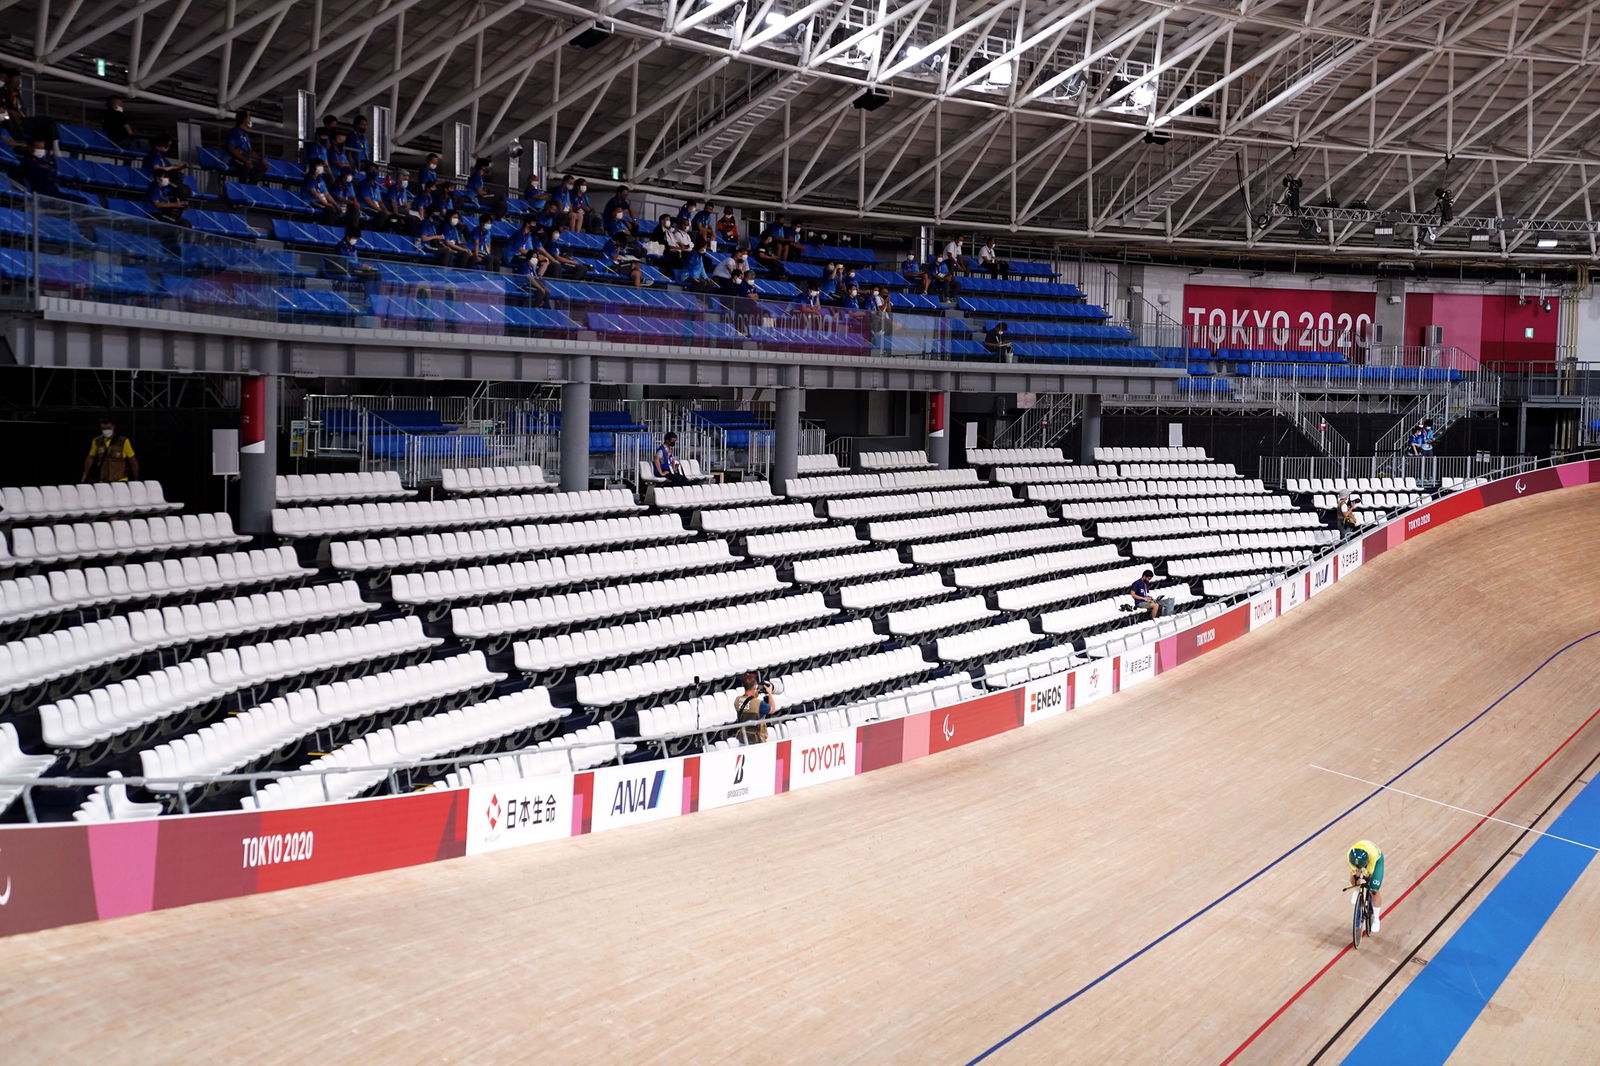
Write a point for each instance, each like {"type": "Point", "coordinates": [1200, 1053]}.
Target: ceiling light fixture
{"type": "Point", "coordinates": [1546, 242]}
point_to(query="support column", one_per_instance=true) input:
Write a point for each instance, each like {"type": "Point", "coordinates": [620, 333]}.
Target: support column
{"type": "Point", "coordinates": [575, 427]}
{"type": "Point", "coordinates": [786, 445]}
{"type": "Point", "coordinates": [1090, 439]}
{"type": "Point", "coordinates": [258, 453]}
{"type": "Point", "coordinates": [939, 429]}
{"type": "Point", "coordinates": [1522, 427]}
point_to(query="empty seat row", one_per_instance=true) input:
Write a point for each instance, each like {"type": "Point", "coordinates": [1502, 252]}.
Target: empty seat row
{"type": "Point", "coordinates": [1164, 505]}
{"type": "Point", "coordinates": [315, 488]}
{"type": "Point", "coordinates": [90, 717]}
{"type": "Point", "coordinates": [466, 511]}
{"type": "Point", "coordinates": [1260, 562]}
{"type": "Point", "coordinates": [1039, 564]}
{"type": "Point", "coordinates": [900, 702]}
{"type": "Point", "coordinates": [1149, 455]}
{"type": "Point", "coordinates": [1176, 470]}
{"type": "Point", "coordinates": [895, 590]}
{"type": "Point", "coordinates": [712, 494]}
{"type": "Point", "coordinates": [826, 568]}
{"type": "Point", "coordinates": [352, 769]}
{"type": "Point", "coordinates": [1203, 524]}
{"type": "Point", "coordinates": [496, 579]}
{"type": "Point", "coordinates": [945, 525]}
{"type": "Point", "coordinates": [582, 749]}
{"type": "Point", "coordinates": [946, 614]}
{"type": "Point", "coordinates": [47, 656]}
{"type": "Point", "coordinates": [1353, 484]}
{"type": "Point", "coordinates": [494, 479]}
{"type": "Point", "coordinates": [255, 733]}
{"type": "Point", "coordinates": [1063, 589]}
{"type": "Point", "coordinates": [16, 763]}
{"type": "Point", "coordinates": [857, 507]}
{"type": "Point", "coordinates": [564, 650]}
{"type": "Point", "coordinates": [131, 536]}
{"type": "Point", "coordinates": [889, 460]}
{"type": "Point", "coordinates": [64, 590]}
{"type": "Point", "coordinates": [1041, 473]}
{"type": "Point", "coordinates": [1211, 544]}
{"type": "Point", "coordinates": [1091, 615]}
{"type": "Point", "coordinates": [520, 616]}
{"type": "Point", "coordinates": [685, 717]}
{"type": "Point", "coordinates": [1386, 501]}
{"type": "Point", "coordinates": [1015, 456]}
{"type": "Point", "coordinates": [862, 671]}
{"type": "Point", "coordinates": [30, 503]}
{"type": "Point", "coordinates": [813, 465]}
{"type": "Point", "coordinates": [1017, 669]}
{"type": "Point", "coordinates": [1234, 584]}
{"type": "Point", "coordinates": [865, 484]}
{"type": "Point", "coordinates": [111, 803]}
{"type": "Point", "coordinates": [768, 516]}
{"type": "Point", "coordinates": [424, 549]}
{"type": "Point", "coordinates": [797, 542]}
{"type": "Point", "coordinates": [985, 642]}
{"type": "Point", "coordinates": [825, 721]}
{"type": "Point", "coordinates": [721, 663]}
{"type": "Point", "coordinates": [1118, 490]}
{"type": "Point", "coordinates": [990, 545]}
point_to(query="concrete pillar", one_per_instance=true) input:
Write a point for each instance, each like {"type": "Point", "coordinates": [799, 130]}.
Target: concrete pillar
{"type": "Point", "coordinates": [575, 427]}
{"type": "Point", "coordinates": [939, 429]}
{"type": "Point", "coordinates": [786, 446]}
{"type": "Point", "coordinates": [258, 453]}
{"type": "Point", "coordinates": [1522, 428]}
{"type": "Point", "coordinates": [1389, 316]}
{"type": "Point", "coordinates": [1091, 428]}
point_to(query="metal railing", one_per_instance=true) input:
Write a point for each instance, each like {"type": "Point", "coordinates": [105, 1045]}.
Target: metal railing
{"type": "Point", "coordinates": [1427, 469]}
{"type": "Point", "coordinates": [1051, 415]}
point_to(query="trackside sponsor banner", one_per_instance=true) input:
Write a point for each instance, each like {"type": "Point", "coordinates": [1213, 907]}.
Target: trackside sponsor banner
{"type": "Point", "coordinates": [507, 814]}
{"type": "Point", "coordinates": [45, 877]}
{"type": "Point", "coordinates": [1349, 558]}
{"type": "Point", "coordinates": [1046, 698]}
{"type": "Point", "coordinates": [1263, 608]}
{"type": "Point", "coordinates": [1321, 577]}
{"type": "Point", "coordinates": [951, 727]}
{"type": "Point", "coordinates": [1292, 593]}
{"type": "Point", "coordinates": [1514, 488]}
{"type": "Point", "coordinates": [1135, 667]}
{"type": "Point", "coordinates": [822, 757]}
{"type": "Point", "coordinates": [1090, 682]}
{"type": "Point", "coordinates": [1193, 643]}
{"type": "Point", "coordinates": [1447, 509]}
{"type": "Point", "coordinates": [637, 793]}
{"type": "Point", "coordinates": [733, 776]}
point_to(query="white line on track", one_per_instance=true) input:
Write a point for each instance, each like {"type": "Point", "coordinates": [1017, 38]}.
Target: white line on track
{"type": "Point", "coordinates": [1453, 807]}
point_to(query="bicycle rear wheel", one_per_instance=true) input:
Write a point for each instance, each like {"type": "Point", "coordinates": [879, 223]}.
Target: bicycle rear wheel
{"type": "Point", "coordinates": [1357, 919]}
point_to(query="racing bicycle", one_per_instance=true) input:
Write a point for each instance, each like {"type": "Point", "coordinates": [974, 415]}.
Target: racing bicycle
{"type": "Point", "coordinates": [1360, 912]}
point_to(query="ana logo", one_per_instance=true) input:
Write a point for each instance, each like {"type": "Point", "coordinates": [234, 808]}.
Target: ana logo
{"type": "Point", "coordinates": [1204, 637]}
{"type": "Point", "coordinates": [493, 810]}
{"type": "Point", "coordinates": [1325, 573]}
{"type": "Point", "coordinates": [738, 768]}
{"type": "Point", "coordinates": [949, 730]}
{"type": "Point", "coordinates": [1520, 487]}
{"type": "Point", "coordinates": [638, 795]}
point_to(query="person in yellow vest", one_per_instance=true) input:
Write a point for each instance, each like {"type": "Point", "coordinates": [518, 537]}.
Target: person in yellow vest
{"type": "Point", "coordinates": [110, 456]}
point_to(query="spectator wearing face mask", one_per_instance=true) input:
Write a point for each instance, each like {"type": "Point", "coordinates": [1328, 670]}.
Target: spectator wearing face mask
{"type": "Point", "coordinates": [245, 162]}
{"type": "Point", "coordinates": [117, 125]}
{"type": "Point", "coordinates": [580, 211]}
{"type": "Point", "coordinates": [728, 227]}
{"type": "Point", "coordinates": [356, 142]}
{"type": "Point", "coordinates": [482, 243]}
{"type": "Point", "coordinates": [429, 173]}
{"type": "Point", "coordinates": [317, 192]}
{"type": "Point", "coordinates": [158, 161]}
{"type": "Point", "coordinates": [454, 244]}
{"type": "Point", "coordinates": [110, 456]}
{"type": "Point", "coordinates": [164, 202]}
{"type": "Point", "coordinates": [676, 244]}
{"type": "Point", "coordinates": [618, 208]}
{"type": "Point", "coordinates": [11, 134]}
{"type": "Point", "coordinates": [38, 170]}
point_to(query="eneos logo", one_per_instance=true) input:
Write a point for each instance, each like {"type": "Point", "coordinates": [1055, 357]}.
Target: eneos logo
{"type": "Point", "coordinates": [1046, 700]}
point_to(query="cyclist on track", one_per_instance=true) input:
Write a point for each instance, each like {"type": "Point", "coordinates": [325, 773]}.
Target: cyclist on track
{"type": "Point", "coordinates": [1366, 858]}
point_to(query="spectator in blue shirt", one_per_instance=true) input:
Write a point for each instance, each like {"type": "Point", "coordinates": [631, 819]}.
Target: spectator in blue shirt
{"type": "Point", "coordinates": [810, 301]}
{"type": "Point", "coordinates": [615, 256]}
{"type": "Point", "coordinates": [832, 280]}
{"type": "Point", "coordinates": [703, 226]}
{"type": "Point", "coordinates": [581, 210]}
{"type": "Point", "coordinates": [397, 195]}
{"type": "Point", "coordinates": [533, 192]}
{"type": "Point", "coordinates": [157, 162]}
{"type": "Point", "coordinates": [521, 253]}
{"type": "Point", "coordinates": [686, 213]}
{"type": "Point", "coordinates": [316, 151]}
{"type": "Point", "coordinates": [476, 187]}
{"type": "Point", "coordinates": [38, 169]}
{"type": "Point", "coordinates": [619, 202]}
{"type": "Point", "coordinates": [430, 170]}
{"type": "Point", "coordinates": [1144, 598]}
{"type": "Point", "coordinates": [785, 239]}
{"type": "Point", "coordinates": [618, 227]}
{"type": "Point", "coordinates": [247, 164]}
{"type": "Point", "coordinates": [370, 196]}
{"type": "Point", "coordinates": [482, 246]}
{"type": "Point", "coordinates": [164, 201]}
{"type": "Point", "coordinates": [693, 274]}
{"type": "Point", "coordinates": [454, 245]}
{"type": "Point", "coordinates": [560, 194]}
{"type": "Point", "coordinates": [665, 463]}
{"type": "Point", "coordinates": [356, 142]}
{"type": "Point", "coordinates": [550, 248]}
{"type": "Point", "coordinates": [430, 235]}
{"type": "Point", "coordinates": [343, 189]}
{"type": "Point", "coordinates": [317, 193]}
{"type": "Point", "coordinates": [946, 274]}
{"type": "Point", "coordinates": [915, 275]}
{"type": "Point", "coordinates": [11, 134]}
{"type": "Point", "coordinates": [339, 156]}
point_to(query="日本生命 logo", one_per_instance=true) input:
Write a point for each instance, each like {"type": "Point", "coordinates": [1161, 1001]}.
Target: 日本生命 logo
{"type": "Point", "coordinates": [493, 810]}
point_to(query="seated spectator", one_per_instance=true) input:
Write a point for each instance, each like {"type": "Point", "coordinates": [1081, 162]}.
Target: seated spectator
{"type": "Point", "coordinates": [832, 279]}
{"type": "Point", "coordinates": [157, 162]}
{"type": "Point", "coordinates": [619, 260]}
{"type": "Point", "coordinates": [346, 262]}
{"type": "Point", "coordinates": [767, 258]}
{"type": "Point", "coordinates": [580, 211]}
{"type": "Point", "coordinates": [115, 123]}
{"type": "Point", "coordinates": [1414, 440]}
{"type": "Point", "coordinates": [11, 94]}
{"type": "Point", "coordinates": [851, 298]}
{"type": "Point", "coordinates": [618, 207]}
{"type": "Point", "coordinates": [164, 202]}
{"type": "Point", "coordinates": [676, 244]}
{"type": "Point", "coordinates": [560, 195]}
{"type": "Point", "coordinates": [429, 174]}
{"type": "Point", "coordinates": [728, 227]}
{"type": "Point", "coordinates": [809, 302]}
{"type": "Point", "coordinates": [1144, 598]}
{"type": "Point", "coordinates": [665, 463]}
{"type": "Point", "coordinates": [746, 305]}
{"type": "Point", "coordinates": [314, 152]}
{"type": "Point", "coordinates": [533, 192]}
{"type": "Point", "coordinates": [563, 264]}
{"type": "Point", "coordinates": [476, 187]}
{"type": "Point", "coordinates": [317, 192]}
{"type": "Point", "coordinates": [687, 212]}
{"type": "Point", "coordinates": [246, 163]}
{"type": "Point", "coordinates": [442, 197]}
{"type": "Point", "coordinates": [1428, 436]}
{"type": "Point", "coordinates": [619, 228]}
{"type": "Point", "coordinates": [693, 275]}
{"type": "Point", "coordinates": [397, 201]}
{"type": "Point", "coordinates": [482, 246]}
{"type": "Point", "coordinates": [945, 277]}
{"type": "Point", "coordinates": [728, 273]}
{"type": "Point", "coordinates": [521, 253]}
{"type": "Point", "coordinates": [11, 132]}
{"type": "Point", "coordinates": [330, 126]}
{"type": "Point", "coordinates": [339, 156]}
{"type": "Point", "coordinates": [703, 226]}
{"type": "Point", "coordinates": [430, 235]}
{"type": "Point", "coordinates": [454, 245]}
{"type": "Point", "coordinates": [997, 343]}
{"type": "Point", "coordinates": [990, 260]}
{"type": "Point", "coordinates": [343, 188]}
{"type": "Point", "coordinates": [784, 243]}
{"type": "Point", "coordinates": [38, 169]}
{"type": "Point", "coordinates": [370, 196]}
{"type": "Point", "coordinates": [956, 249]}
{"type": "Point", "coordinates": [915, 275]}
{"type": "Point", "coordinates": [1347, 511]}
{"type": "Point", "coordinates": [357, 142]}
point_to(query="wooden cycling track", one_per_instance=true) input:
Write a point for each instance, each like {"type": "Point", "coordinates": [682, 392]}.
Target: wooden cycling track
{"type": "Point", "coordinates": [924, 913]}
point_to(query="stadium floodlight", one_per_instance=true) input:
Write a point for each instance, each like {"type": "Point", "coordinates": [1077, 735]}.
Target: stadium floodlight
{"type": "Point", "coordinates": [1383, 227]}
{"type": "Point", "coordinates": [1429, 235]}
{"type": "Point", "coordinates": [1546, 241]}
{"type": "Point", "coordinates": [1481, 234]}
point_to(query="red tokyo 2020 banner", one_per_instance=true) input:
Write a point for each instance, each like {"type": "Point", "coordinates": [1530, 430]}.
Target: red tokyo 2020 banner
{"type": "Point", "coordinates": [1228, 316]}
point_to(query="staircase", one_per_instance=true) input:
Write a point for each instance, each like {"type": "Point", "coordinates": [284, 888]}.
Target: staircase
{"type": "Point", "coordinates": [726, 127]}
{"type": "Point", "coordinates": [1051, 415]}
{"type": "Point", "coordinates": [1445, 408]}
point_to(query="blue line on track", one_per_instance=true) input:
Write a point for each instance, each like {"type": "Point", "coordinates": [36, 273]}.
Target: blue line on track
{"type": "Point", "coordinates": [1279, 860]}
{"type": "Point", "coordinates": [1427, 1021]}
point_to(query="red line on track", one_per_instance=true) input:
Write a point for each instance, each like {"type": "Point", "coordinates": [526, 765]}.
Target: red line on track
{"type": "Point", "coordinates": [1412, 888]}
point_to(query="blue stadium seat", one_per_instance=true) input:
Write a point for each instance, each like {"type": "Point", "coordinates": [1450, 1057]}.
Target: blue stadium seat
{"type": "Point", "coordinates": [85, 139]}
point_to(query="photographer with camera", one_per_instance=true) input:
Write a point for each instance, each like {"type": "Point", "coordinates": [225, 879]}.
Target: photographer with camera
{"type": "Point", "coordinates": [752, 705]}
{"type": "Point", "coordinates": [1347, 511]}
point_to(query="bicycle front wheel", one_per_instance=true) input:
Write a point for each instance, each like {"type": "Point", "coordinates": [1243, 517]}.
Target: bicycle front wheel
{"type": "Point", "coordinates": [1357, 920]}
